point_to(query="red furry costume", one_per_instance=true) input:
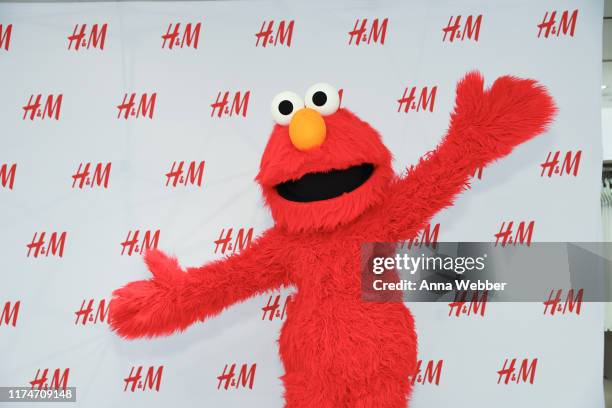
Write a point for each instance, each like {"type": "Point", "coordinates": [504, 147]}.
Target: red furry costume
{"type": "Point", "coordinates": [338, 351]}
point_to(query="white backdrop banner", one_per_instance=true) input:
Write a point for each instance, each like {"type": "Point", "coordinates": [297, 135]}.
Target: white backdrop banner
{"type": "Point", "coordinates": [134, 125]}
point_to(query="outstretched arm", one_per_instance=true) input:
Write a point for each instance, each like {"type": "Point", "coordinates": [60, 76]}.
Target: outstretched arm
{"type": "Point", "coordinates": [173, 299]}
{"type": "Point", "coordinates": [485, 126]}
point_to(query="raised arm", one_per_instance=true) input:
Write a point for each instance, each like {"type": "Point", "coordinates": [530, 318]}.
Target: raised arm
{"type": "Point", "coordinates": [173, 299]}
{"type": "Point", "coordinates": [485, 126]}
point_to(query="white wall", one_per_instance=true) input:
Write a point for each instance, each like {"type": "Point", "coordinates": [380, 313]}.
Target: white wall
{"type": "Point", "coordinates": [569, 348]}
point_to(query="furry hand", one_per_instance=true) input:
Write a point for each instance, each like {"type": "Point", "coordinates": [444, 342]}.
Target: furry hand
{"type": "Point", "coordinates": [150, 307]}
{"type": "Point", "coordinates": [510, 112]}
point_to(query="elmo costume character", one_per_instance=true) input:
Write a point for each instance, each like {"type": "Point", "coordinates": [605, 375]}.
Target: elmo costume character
{"type": "Point", "coordinates": [327, 178]}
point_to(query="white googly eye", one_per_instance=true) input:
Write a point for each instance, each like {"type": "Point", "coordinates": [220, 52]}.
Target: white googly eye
{"type": "Point", "coordinates": [323, 98]}
{"type": "Point", "coordinates": [284, 105]}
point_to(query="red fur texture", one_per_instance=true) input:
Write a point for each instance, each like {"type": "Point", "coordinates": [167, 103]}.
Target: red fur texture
{"type": "Point", "coordinates": [339, 351]}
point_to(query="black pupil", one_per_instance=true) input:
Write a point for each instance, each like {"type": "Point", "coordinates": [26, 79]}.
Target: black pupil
{"type": "Point", "coordinates": [285, 107]}
{"type": "Point", "coordinates": [319, 98]}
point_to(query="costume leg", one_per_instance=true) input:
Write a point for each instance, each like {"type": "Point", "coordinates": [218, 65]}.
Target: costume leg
{"type": "Point", "coordinates": [383, 392]}
{"type": "Point", "coordinates": [308, 391]}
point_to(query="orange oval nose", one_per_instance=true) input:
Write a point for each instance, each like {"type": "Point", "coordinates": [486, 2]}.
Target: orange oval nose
{"type": "Point", "coordinates": [307, 129]}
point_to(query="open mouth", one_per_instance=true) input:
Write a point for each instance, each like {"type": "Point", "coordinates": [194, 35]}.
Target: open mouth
{"type": "Point", "coordinates": [325, 185]}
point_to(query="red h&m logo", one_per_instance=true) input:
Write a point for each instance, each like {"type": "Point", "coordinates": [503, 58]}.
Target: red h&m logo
{"type": "Point", "coordinates": [9, 314]}
{"type": "Point", "coordinates": [194, 174]}
{"type": "Point", "coordinates": [188, 37]}
{"type": "Point", "coordinates": [567, 24]}
{"type": "Point", "coordinates": [526, 373]}
{"type": "Point", "coordinates": [426, 101]}
{"type": "Point", "coordinates": [554, 303]}
{"type": "Point", "coordinates": [59, 380]}
{"type": "Point", "coordinates": [152, 380]}
{"type": "Point", "coordinates": [245, 379]}
{"type": "Point", "coordinates": [523, 235]}
{"type": "Point", "coordinates": [456, 30]}
{"type": "Point", "coordinates": [50, 110]}
{"type": "Point", "coordinates": [99, 178]}
{"type": "Point", "coordinates": [5, 36]}
{"type": "Point", "coordinates": [476, 306]}
{"type": "Point", "coordinates": [80, 37]}
{"type": "Point", "coordinates": [7, 175]}
{"type": "Point", "coordinates": [86, 313]}
{"type": "Point", "coordinates": [133, 244]}
{"type": "Point", "coordinates": [431, 375]}
{"type": "Point", "coordinates": [54, 248]}
{"type": "Point", "coordinates": [266, 35]}
{"type": "Point", "coordinates": [570, 165]}
{"type": "Point", "coordinates": [146, 106]}
{"type": "Point", "coordinates": [374, 34]}
{"type": "Point", "coordinates": [427, 237]}
{"type": "Point", "coordinates": [239, 105]}
{"type": "Point", "coordinates": [242, 241]}
{"type": "Point", "coordinates": [273, 310]}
